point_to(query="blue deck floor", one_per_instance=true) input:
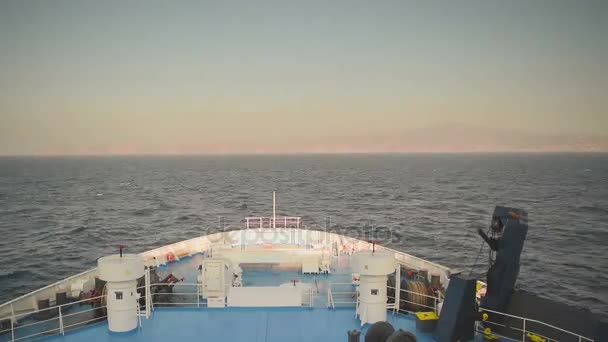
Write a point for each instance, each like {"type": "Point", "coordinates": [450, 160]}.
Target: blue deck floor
{"type": "Point", "coordinates": [240, 324]}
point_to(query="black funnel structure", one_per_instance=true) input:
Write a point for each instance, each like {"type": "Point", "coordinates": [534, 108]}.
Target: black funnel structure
{"type": "Point", "coordinates": [507, 235]}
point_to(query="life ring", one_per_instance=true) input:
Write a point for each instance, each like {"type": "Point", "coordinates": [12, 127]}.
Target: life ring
{"type": "Point", "coordinates": [170, 257]}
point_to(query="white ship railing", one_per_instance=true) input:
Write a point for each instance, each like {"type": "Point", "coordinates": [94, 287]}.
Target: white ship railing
{"type": "Point", "coordinates": [194, 297]}
{"type": "Point", "coordinates": [425, 307]}
{"type": "Point", "coordinates": [273, 222]}
{"type": "Point", "coordinates": [526, 331]}
{"type": "Point", "coordinates": [331, 301]}
{"type": "Point", "coordinates": [344, 297]}
{"type": "Point", "coordinates": [60, 326]}
{"type": "Point", "coordinates": [27, 303]}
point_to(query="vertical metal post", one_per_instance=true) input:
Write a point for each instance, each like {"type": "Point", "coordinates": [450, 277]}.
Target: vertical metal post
{"type": "Point", "coordinates": [60, 322]}
{"type": "Point", "coordinates": [138, 315]}
{"type": "Point", "coordinates": [524, 330]}
{"type": "Point", "coordinates": [397, 288]}
{"type": "Point", "coordinates": [310, 297]}
{"type": "Point", "coordinates": [148, 292]}
{"type": "Point", "coordinates": [13, 320]}
{"type": "Point", "coordinates": [274, 209]}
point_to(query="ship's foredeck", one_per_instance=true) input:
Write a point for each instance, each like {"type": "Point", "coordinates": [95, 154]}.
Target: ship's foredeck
{"type": "Point", "coordinates": [241, 324]}
{"type": "Point", "coordinates": [183, 313]}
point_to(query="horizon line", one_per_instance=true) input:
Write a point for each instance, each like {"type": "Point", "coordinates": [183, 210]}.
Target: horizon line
{"type": "Point", "coordinates": [163, 154]}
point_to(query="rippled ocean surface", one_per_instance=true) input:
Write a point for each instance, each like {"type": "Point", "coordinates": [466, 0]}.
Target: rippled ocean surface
{"type": "Point", "coordinates": [59, 214]}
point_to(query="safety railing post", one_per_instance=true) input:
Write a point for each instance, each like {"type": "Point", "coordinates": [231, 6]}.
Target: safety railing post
{"type": "Point", "coordinates": [397, 288]}
{"type": "Point", "coordinates": [13, 319]}
{"type": "Point", "coordinates": [523, 330]}
{"type": "Point", "coordinates": [60, 322]}
{"type": "Point", "coordinates": [138, 315]}
{"type": "Point", "coordinates": [148, 298]}
{"type": "Point", "coordinates": [13, 328]}
{"type": "Point", "coordinates": [310, 297]}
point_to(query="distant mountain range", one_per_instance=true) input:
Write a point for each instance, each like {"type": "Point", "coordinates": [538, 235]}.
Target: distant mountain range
{"type": "Point", "coordinates": [464, 138]}
{"type": "Point", "coordinates": [455, 138]}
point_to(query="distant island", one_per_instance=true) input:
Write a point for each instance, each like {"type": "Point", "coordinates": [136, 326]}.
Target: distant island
{"type": "Point", "coordinates": [445, 138]}
{"type": "Point", "coordinates": [468, 138]}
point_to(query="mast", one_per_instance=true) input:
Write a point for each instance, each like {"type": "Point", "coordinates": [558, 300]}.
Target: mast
{"type": "Point", "coordinates": [274, 210]}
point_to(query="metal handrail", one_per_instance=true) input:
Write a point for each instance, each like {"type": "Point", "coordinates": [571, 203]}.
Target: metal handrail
{"type": "Point", "coordinates": [83, 311]}
{"type": "Point", "coordinates": [435, 298]}
{"type": "Point", "coordinates": [87, 321]}
{"type": "Point", "coordinates": [32, 335]}
{"type": "Point", "coordinates": [60, 318]}
{"type": "Point", "coordinates": [409, 302]}
{"type": "Point", "coordinates": [55, 284]}
{"type": "Point", "coordinates": [174, 293]}
{"type": "Point", "coordinates": [198, 294]}
{"type": "Point", "coordinates": [273, 222]}
{"type": "Point", "coordinates": [412, 292]}
{"type": "Point", "coordinates": [528, 320]}
{"type": "Point", "coordinates": [14, 317]}
{"type": "Point", "coordinates": [35, 323]}
{"type": "Point", "coordinates": [330, 295]}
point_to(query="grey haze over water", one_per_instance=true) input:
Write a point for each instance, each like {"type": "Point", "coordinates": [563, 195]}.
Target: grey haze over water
{"type": "Point", "coordinates": [59, 214]}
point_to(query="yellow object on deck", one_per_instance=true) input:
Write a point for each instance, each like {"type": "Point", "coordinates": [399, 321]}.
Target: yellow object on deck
{"type": "Point", "coordinates": [427, 316]}
{"type": "Point", "coordinates": [536, 338]}
{"type": "Point", "coordinates": [487, 335]}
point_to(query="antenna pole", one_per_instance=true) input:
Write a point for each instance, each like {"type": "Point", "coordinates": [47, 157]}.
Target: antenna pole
{"type": "Point", "coordinates": [374, 241]}
{"type": "Point", "coordinates": [274, 209]}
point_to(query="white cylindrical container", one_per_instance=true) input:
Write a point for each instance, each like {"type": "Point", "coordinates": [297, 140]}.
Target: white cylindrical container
{"type": "Point", "coordinates": [121, 274]}
{"type": "Point", "coordinates": [373, 269]}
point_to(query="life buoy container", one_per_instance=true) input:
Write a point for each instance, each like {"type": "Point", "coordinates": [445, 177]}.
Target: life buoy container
{"type": "Point", "coordinates": [170, 257]}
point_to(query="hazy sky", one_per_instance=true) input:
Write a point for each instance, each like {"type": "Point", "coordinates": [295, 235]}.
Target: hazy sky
{"type": "Point", "coordinates": [197, 76]}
